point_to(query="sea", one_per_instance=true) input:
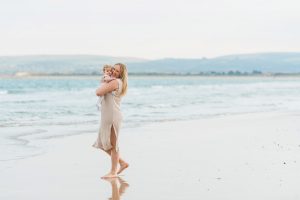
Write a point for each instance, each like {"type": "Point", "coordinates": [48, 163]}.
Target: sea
{"type": "Point", "coordinates": [36, 109]}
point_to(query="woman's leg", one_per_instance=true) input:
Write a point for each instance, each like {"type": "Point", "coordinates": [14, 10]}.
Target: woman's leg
{"type": "Point", "coordinates": [114, 155]}
{"type": "Point", "coordinates": [114, 152]}
{"type": "Point", "coordinates": [121, 161]}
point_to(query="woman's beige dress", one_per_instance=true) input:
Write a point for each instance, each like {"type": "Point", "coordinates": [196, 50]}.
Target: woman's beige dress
{"type": "Point", "coordinates": [111, 116]}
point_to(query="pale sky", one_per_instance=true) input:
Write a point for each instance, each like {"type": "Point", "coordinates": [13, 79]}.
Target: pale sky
{"type": "Point", "coordinates": [149, 29]}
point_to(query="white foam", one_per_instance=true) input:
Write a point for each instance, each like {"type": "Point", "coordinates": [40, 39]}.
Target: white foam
{"type": "Point", "coordinates": [3, 92]}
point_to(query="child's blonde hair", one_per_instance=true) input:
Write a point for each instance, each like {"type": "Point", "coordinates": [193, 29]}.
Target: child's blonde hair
{"type": "Point", "coordinates": [106, 67]}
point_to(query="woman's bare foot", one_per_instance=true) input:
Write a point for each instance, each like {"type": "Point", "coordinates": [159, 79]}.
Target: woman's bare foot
{"type": "Point", "coordinates": [123, 166]}
{"type": "Point", "coordinates": [110, 175]}
{"type": "Point", "coordinates": [111, 180]}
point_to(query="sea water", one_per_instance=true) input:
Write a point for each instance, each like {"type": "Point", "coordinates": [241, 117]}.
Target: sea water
{"type": "Point", "coordinates": [36, 109]}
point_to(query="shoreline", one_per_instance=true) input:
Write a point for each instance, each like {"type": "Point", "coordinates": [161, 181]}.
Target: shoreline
{"type": "Point", "coordinates": [84, 76]}
{"type": "Point", "coordinates": [36, 139]}
{"type": "Point", "coordinates": [249, 156]}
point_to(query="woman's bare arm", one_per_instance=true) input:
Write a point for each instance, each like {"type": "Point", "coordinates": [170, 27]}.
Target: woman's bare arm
{"type": "Point", "coordinates": [107, 87]}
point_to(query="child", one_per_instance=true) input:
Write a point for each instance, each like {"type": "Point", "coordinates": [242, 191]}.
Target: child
{"type": "Point", "coordinates": [107, 72]}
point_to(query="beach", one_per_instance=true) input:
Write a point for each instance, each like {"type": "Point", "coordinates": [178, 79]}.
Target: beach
{"type": "Point", "coordinates": [242, 156]}
{"type": "Point", "coordinates": [202, 97]}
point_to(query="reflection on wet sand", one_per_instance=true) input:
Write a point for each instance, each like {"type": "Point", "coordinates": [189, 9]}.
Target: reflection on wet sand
{"type": "Point", "coordinates": [115, 190]}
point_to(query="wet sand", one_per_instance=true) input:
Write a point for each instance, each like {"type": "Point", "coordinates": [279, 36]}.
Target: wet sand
{"type": "Point", "coordinates": [249, 156]}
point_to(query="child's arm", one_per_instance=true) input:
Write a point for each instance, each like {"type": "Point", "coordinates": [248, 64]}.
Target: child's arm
{"type": "Point", "coordinates": [104, 78]}
{"type": "Point", "coordinates": [108, 79]}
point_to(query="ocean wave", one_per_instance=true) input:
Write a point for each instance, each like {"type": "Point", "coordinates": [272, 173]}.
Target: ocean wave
{"type": "Point", "coordinates": [3, 92]}
{"type": "Point", "coordinates": [27, 101]}
{"type": "Point", "coordinates": [160, 105]}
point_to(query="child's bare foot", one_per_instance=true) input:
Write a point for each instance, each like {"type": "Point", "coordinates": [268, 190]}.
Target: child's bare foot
{"type": "Point", "coordinates": [123, 166]}
{"type": "Point", "coordinates": [110, 175]}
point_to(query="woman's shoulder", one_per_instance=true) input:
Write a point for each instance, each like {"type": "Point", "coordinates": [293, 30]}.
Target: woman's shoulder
{"type": "Point", "coordinates": [119, 86]}
{"type": "Point", "coordinates": [119, 83]}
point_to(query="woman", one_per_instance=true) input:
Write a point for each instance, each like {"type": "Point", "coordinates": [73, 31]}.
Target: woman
{"type": "Point", "coordinates": [111, 118]}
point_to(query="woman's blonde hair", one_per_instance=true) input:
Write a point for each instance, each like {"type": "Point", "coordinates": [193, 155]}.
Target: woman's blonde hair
{"type": "Point", "coordinates": [123, 77]}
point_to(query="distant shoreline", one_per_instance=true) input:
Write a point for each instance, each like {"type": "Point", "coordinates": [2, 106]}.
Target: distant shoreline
{"type": "Point", "coordinates": [264, 64]}
{"type": "Point", "coordinates": [25, 74]}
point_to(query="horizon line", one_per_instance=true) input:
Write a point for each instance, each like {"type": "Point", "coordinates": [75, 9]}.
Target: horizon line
{"type": "Point", "coordinates": [149, 59]}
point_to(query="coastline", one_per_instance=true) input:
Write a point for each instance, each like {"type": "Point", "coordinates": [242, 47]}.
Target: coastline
{"type": "Point", "coordinates": [249, 156]}
{"type": "Point", "coordinates": [168, 76]}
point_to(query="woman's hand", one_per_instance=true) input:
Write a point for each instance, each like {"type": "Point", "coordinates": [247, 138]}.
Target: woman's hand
{"type": "Point", "coordinates": [107, 87]}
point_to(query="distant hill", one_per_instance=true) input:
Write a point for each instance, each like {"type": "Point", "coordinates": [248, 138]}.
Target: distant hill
{"type": "Point", "coordinates": [264, 62]}
{"type": "Point", "coordinates": [91, 64]}
{"type": "Point", "coordinates": [62, 64]}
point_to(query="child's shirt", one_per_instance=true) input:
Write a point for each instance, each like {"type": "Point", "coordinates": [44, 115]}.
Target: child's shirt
{"type": "Point", "coordinates": [105, 78]}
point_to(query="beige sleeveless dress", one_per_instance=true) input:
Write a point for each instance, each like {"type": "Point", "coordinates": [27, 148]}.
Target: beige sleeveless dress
{"type": "Point", "coordinates": [111, 116]}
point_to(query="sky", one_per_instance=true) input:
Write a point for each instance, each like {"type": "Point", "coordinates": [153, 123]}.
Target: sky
{"type": "Point", "coordinates": [149, 29]}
